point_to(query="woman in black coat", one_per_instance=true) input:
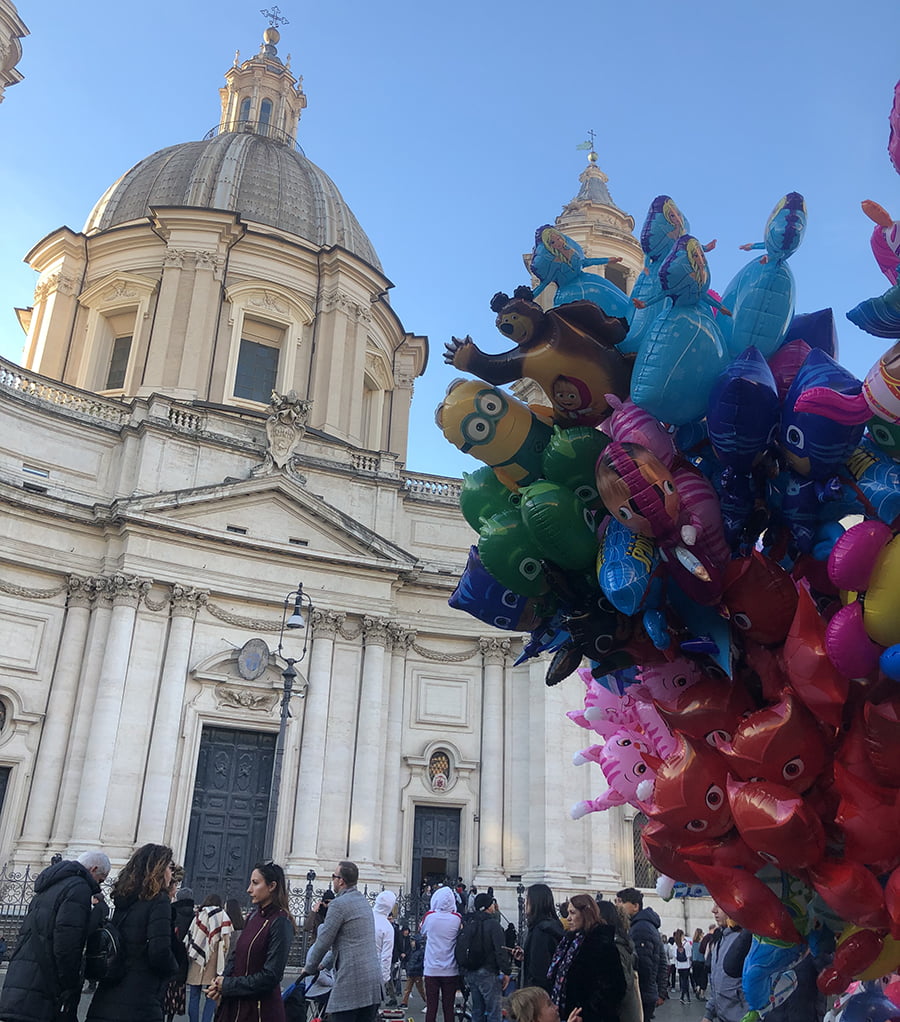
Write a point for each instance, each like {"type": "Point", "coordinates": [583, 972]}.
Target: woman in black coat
{"type": "Point", "coordinates": [544, 934]}
{"type": "Point", "coordinates": [586, 971]}
{"type": "Point", "coordinates": [143, 917]}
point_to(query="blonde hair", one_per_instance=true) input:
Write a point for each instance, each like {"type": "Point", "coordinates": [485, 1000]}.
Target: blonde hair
{"type": "Point", "coordinates": [525, 1005]}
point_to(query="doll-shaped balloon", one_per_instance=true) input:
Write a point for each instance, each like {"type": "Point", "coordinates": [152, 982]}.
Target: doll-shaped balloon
{"type": "Point", "coordinates": [663, 226]}
{"type": "Point", "coordinates": [689, 791]}
{"type": "Point", "coordinates": [639, 491]}
{"type": "Point", "coordinates": [569, 352]}
{"type": "Point", "coordinates": [478, 593]}
{"type": "Point", "coordinates": [558, 259]}
{"type": "Point", "coordinates": [777, 823]}
{"type": "Point", "coordinates": [621, 758]}
{"type": "Point", "coordinates": [761, 598]}
{"type": "Point", "coordinates": [741, 420]}
{"type": "Point", "coordinates": [761, 295]}
{"type": "Point", "coordinates": [781, 743]}
{"type": "Point", "coordinates": [495, 428]}
{"type": "Point", "coordinates": [683, 351]}
{"type": "Point", "coordinates": [815, 449]}
{"type": "Point", "coordinates": [866, 560]}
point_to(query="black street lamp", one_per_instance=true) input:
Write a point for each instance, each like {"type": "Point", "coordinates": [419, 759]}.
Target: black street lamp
{"type": "Point", "coordinates": [520, 895]}
{"type": "Point", "coordinates": [298, 599]}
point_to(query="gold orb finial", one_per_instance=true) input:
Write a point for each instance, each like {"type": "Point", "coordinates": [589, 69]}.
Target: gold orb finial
{"type": "Point", "coordinates": [272, 36]}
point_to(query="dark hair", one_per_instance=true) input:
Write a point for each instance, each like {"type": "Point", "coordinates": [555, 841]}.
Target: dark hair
{"type": "Point", "coordinates": [233, 910]}
{"type": "Point", "coordinates": [348, 872]}
{"type": "Point", "coordinates": [482, 902]}
{"type": "Point", "coordinates": [272, 873]}
{"type": "Point", "coordinates": [539, 904]}
{"type": "Point", "coordinates": [614, 915]}
{"type": "Point", "coordinates": [144, 875]}
{"type": "Point", "coordinates": [212, 901]}
{"type": "Point", "coordinates": [633, 895]}
{"type": "Point", "coordinates": [586, 905]}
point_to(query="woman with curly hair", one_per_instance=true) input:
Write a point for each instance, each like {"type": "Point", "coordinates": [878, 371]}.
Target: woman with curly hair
{"type": "Point", "coordinates": [250, 989]}
{"type": "Point", "coordinates": [143, 917]}
{"type": "Point", "coordinates": [586, 971]}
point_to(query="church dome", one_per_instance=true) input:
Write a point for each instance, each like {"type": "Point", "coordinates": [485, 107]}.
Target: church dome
{"type": "Point", "coordinates": [260, 178]}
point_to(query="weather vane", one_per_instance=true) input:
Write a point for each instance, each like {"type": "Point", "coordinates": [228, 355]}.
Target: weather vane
{"type": "Point", "coordinates": [581, 145]}
{"type": "Point", "coordinates": [275, 17]}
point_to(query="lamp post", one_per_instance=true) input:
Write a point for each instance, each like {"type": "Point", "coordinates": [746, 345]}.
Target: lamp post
{"type": "Point", "coordinates": [298, 599]}
{"type": "Point", "coordinates": [520, 894]}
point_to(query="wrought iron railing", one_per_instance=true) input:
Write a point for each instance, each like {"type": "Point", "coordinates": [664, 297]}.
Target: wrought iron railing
{"type": "Point", "coordinates": [255, 128]}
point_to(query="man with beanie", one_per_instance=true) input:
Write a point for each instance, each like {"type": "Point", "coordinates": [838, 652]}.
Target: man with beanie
{"type": "Point", "coordinates": [485, 957]}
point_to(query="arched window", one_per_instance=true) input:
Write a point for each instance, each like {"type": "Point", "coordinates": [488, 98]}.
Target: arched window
{"type": "Point", "coordinates": [644, 873]}
{"type": "Point", "coordinates": [265, 114]}
{"type": "Point", "coordinates": [244, 115]}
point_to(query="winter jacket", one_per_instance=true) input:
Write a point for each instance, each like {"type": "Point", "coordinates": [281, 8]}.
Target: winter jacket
{"type": "Point", "coordinates": [651, 957]}
{"type": "Point", "coordinates": [630, 1009]}
{"type": "Point", "coordinates": [146, 929]}
{"type": "Point", "coordinates": [594, 980]}
{"type": "Point", "coordinates": [350, 930]}
{"type": "Point", "coordinates": [44, 971]}
{"type": "Point", "coordinates": [492, 941]}
{"type": "Point", "coordinates": [384, 932]}
{"type": "Point", "coordinates": [440, 926]}
{"type": "Point", "coordinates": [540, 944]}
{"type": "Point", "coordinates": [726, 1001]}
{"type": "Point", "coordinates": [251, 987]}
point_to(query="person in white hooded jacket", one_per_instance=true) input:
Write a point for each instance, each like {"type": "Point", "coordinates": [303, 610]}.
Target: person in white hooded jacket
{"type": "Point", "coordinates": [384, 936]}
{"type": "Point", "coordinates": [441, 927]}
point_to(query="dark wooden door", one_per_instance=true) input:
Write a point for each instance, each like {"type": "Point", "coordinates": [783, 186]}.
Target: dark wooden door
{"type": "Point", "coordinates": [228, 812]}
{"type": "Point", "coordinates": [435, 845]}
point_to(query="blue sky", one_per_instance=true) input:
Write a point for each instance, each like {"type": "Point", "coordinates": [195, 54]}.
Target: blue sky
{"type": "Point", "coordinates": [451, 130]}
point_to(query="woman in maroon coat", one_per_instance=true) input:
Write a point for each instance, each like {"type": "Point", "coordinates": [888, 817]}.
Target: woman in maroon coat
{"type": "Point", "coordinates": [250, 989]}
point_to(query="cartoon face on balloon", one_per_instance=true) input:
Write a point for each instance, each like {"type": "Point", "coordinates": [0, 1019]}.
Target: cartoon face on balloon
{"type": "Point", "coordinates": [761, 598]}
{"type": "Point", "coordinates": [623, 764]}
{"type": "Point", "coordinates": [689, 794]}
{"type": "Point", "coordinates": [638, 489]}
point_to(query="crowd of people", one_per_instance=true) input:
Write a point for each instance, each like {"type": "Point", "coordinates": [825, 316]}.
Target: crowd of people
{"type": "Point", "coordinates": [585, 960]}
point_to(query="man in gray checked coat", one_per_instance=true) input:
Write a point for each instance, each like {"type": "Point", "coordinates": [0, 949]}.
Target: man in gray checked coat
{"type": "Point", "coordinates": [349, 930]}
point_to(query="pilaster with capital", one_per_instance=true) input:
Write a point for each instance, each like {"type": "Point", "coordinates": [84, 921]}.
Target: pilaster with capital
{"type": "Point", "coordinates": [185, 602]}
{"type": "Point", "coordinates": [365, 825]}
{"type": "Point", "coordinates": [51, 756]}
{"type": "Point", "coordinates": [494, 652]}
{"type": "Point", "coordinates": [125, 592]}
{"type": "Point", "coordinates": [325, 625]}
{"type": "Point", "coordinates": [401, 640]}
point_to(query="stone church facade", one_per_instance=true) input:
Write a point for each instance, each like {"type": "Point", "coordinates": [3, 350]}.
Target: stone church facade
{"type": "Point", "coordinates": [158, 504]}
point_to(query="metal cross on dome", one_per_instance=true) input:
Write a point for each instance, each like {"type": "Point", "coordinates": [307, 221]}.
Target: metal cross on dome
{"type": "Point", "coordinates": [275, 17]}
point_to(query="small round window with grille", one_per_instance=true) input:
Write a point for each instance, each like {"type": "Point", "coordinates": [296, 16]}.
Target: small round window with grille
{"type": "Point", "coordinates": [439, 770]}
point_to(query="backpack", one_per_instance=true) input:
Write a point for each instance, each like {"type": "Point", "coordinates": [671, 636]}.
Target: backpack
{"type": "Point", "coordinates": [472, 950]}
{"type": "Point", "coordinates": [104, 954]}
{"type": "Point", "coordinates": [681, 955]}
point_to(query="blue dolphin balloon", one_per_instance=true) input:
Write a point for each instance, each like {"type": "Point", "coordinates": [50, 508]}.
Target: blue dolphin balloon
{"type": "Point", "coordinates": [558, 259]}
{"type": "Point", "coordinates": [683, 353]}
{"type": "Point", "coordinates": [761, 295]}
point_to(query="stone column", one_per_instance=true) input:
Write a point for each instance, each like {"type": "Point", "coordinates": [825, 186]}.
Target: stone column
{"type": "Point", "coordinates": [365, 826]}
{"type": "Point", "coordinates": [127, 593]}
{"type": "Point", "coordinates": [58, 721]}
{"type": "Point", "coordinates": [158, 778]}
{"type": "Point", "coordinates": [490, 812]}
{"type": "Point", "coordinates": [390, 801]}
{"type": "Point", "coordinates": [311, 778]}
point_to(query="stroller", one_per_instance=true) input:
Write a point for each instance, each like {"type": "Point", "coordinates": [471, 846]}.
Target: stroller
{"type": "Point", "coordinates": [306, 998]}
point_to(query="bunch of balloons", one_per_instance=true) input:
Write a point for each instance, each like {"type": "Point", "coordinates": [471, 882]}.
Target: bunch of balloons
{"type": "Point", "coordinates": [707, 510]}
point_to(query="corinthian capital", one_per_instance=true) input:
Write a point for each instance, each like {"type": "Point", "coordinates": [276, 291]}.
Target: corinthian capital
{"type": "Point", "coordinates": [494, 651]}
{"type": "Point", "coordinates": [127, 590]}
{"type": "Point", "coordinates": [187, 601]}
{"type": "Point", "coordinates": [375, 630]}
{"type": "Point", "coordinates": [327, 623]}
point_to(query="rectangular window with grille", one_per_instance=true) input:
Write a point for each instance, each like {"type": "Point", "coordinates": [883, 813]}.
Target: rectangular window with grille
{"type": "Point", "coordinates": [118, 363]}
{"type": "Point", "coordinates": [257, 371]}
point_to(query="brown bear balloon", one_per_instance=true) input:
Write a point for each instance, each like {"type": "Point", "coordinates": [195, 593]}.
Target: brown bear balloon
{"type": "Point", "coordinates": [569, 351]}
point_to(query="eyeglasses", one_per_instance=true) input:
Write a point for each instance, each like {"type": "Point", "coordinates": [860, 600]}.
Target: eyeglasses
{"type": "Point", "coordinates": [336, 876]}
